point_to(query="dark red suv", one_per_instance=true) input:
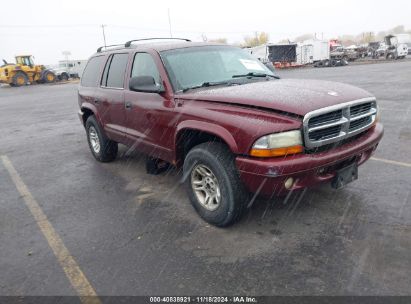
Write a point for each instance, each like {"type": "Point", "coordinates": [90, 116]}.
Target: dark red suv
{"type": "Point", "coordinates": [226, 119]}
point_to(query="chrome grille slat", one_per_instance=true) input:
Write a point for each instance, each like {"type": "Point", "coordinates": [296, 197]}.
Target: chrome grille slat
{"type": "Point", "coordinates": [325, 133]}
{"type": "Point", "coordinates": [325, 118]}
{"type": "Point", "coordinates": [372, 111]}
{"type": "Point", "coordinates": [358, 109]}
{"type": "Point", "coordinates": [328, 125]}
{"type": "Point", "coordinates": [336, 123]}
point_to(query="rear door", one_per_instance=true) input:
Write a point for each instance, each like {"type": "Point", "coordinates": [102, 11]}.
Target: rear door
{"type": "Point", "coordinates": [90, 80]}
{"type": "Point", "coordinates": [110, 96]}
{"type": "Point", "coordinates": [148, 115]}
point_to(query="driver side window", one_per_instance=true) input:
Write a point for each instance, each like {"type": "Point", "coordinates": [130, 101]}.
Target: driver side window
{"type": "Point", "coordinates": [144, 65]}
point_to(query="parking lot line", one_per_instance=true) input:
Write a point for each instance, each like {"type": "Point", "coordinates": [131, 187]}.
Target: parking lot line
{"type": "Point", "coordinates": [72, 270]}
{"type": "Point", "coordinates": [392, 162]}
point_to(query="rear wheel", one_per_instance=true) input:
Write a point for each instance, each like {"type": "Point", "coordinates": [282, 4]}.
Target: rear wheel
{"type": "Point", "coordinates": [102, 148]}
{"type": "Point", "coordinates": [19, 79]}
{"type": "Point", "coordinates": [213, 184]}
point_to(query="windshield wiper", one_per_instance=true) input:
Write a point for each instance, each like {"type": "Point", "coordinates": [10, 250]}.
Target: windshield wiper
{"type": "Point", "coordinates": [205, 84]}
{"type": "Point", "coordinates": [252, 74]}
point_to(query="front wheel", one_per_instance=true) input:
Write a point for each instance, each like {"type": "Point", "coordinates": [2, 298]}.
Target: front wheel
{"type": "Point", "coordinates": [213, 184]}
{"type": "Point", "coordinates": [102, 148]}
{"type": "Point", "coordinates": [49, 77]}
{"type": "Point", "coordinates": [64, 77]}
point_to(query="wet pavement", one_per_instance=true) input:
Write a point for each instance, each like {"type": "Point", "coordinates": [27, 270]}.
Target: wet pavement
{"type": "Point", "coordinates": [136, 234]}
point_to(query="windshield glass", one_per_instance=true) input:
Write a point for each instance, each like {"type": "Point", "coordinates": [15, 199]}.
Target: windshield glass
{"type": "Point", "coordinates": [194, 66]}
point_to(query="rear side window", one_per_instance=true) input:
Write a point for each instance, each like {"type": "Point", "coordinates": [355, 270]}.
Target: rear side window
{"type": "Point", "coordinates": [91, 74]}
{"type": "Point", "coordinates": [113, 76]}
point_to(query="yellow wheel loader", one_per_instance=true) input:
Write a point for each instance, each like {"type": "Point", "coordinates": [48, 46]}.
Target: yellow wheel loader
{"type": "Point", "coordinates": [24, 71]}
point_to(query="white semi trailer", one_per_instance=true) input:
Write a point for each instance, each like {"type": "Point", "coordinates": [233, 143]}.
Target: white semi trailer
{"type": "Point", "coordinates": [313, 51]}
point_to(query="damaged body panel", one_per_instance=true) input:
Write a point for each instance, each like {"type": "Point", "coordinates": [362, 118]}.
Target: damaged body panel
{"type": "Point", "coordinates": [227, 120]}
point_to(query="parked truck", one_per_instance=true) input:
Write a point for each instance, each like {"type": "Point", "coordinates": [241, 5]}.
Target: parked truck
{"type": "Point", "coordinates": [341, 53]}
{"type": "Point", "coordinates": [313, 51]}
{"type": "Point", "coordinates": [73, 67]}
{"type": "Point", "coordinates": [396, 47]}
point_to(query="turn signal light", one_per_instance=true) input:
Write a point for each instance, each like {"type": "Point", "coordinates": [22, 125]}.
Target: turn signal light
{"type": "Point", "coordinates": [276, 152]}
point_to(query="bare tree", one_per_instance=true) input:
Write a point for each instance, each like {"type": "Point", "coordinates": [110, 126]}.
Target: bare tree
{"type": "Point", "coordinates": [219, 40]}
{"type": "Point", "coordinates": [304, 37]}
{"type": "Point", "coordinates": [257, 39]}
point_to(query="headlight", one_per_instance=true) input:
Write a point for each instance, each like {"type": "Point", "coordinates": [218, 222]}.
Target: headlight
{"type": "Point", "coordinates": [278, 144]}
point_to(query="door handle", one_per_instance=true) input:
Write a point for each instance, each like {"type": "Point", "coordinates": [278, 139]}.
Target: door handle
{"type": "Point", "coordinates": [128, 105]}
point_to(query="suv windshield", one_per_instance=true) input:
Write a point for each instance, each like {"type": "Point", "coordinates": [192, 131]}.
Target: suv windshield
{"type": "Point", "coordinates": [195, 66]}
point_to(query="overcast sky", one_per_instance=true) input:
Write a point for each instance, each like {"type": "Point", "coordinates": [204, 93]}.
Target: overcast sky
{"type": "Point", "coordinates": [47, 28]}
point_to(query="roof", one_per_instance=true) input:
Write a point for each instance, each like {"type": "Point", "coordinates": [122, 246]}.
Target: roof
{"type": "Point", "coordinates": [161, 46]}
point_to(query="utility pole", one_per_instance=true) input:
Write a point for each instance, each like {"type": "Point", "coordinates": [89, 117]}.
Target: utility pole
{"type": "Point", "coordinates": [66, 55]}
{"type": "Point", "coordinates": [104, 34]}
{"type": "Point", "coordinates": [169, 23]}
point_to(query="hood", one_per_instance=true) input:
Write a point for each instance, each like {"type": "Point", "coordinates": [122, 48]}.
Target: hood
{"type": "Point", "coordinates": [297, 96]}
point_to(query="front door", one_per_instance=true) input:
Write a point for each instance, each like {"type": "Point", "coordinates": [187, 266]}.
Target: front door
{"type": "Point", "coordinates": [148, 115]}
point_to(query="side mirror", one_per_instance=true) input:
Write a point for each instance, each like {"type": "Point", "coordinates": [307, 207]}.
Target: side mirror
{"type": "Point", "coordinates": [145, 84]}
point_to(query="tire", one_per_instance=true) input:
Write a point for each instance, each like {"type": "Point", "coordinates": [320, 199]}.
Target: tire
{"type": "Point", "coordinates": [326, 63]}
{"type": "Point", "coordinates": [345, 58]}
{"type": "Point", "coordinates": [64, 77]}
{"type": "Point", "coordinates": [49, 77]}
{"type": "Point", "coordinates": [19, 79]}
{"type": "Point", "coordinates": [217, 161]}
{"type": "Point", "coordinates": [333, 62]}
{"type": "Point", "coordinates": [102, 148]}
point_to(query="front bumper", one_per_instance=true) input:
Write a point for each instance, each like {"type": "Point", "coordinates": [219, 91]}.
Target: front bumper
{"type": "Point", "coordinates": [267, 176]}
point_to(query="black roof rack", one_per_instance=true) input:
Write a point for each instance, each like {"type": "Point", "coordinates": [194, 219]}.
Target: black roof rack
{"type": "Point", "coordinates": [128, 43]}
{"type": "Point", "coordinates": [106, 47]}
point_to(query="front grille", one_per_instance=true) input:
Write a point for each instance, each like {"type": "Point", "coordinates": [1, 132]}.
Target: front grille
{"type": "Point", "coordinates": [325, 133]}
{"type": "Point", "coordinates": [336, 144]}
{"type": "Point", "coordinates": [337, 123]}
{"type": "Point", "coordinates": [325, 118]}
{"type": "Point", "coordinates": [360, 109]}
{"type": "Point", "coordinates": [356, 124]}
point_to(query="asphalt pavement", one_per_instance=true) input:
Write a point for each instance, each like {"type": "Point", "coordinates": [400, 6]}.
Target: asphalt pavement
{"type": "Point", "coordinates": [136, 234]}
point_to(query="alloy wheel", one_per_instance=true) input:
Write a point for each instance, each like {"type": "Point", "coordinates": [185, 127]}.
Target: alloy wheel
{"type": "Point", "coordinates": [205, 186]}
{"type": "Point", "coordinates": [94, 139]}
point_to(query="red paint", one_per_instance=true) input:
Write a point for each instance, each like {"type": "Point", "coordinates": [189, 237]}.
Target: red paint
{"type": "Point", "coordinates": [238, 115]}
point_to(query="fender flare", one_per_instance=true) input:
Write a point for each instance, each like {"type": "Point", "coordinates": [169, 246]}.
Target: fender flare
{"type": "Point", "coordinates": [93, 109]}
{"type": "Point", "coordinates": [210, 128]}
